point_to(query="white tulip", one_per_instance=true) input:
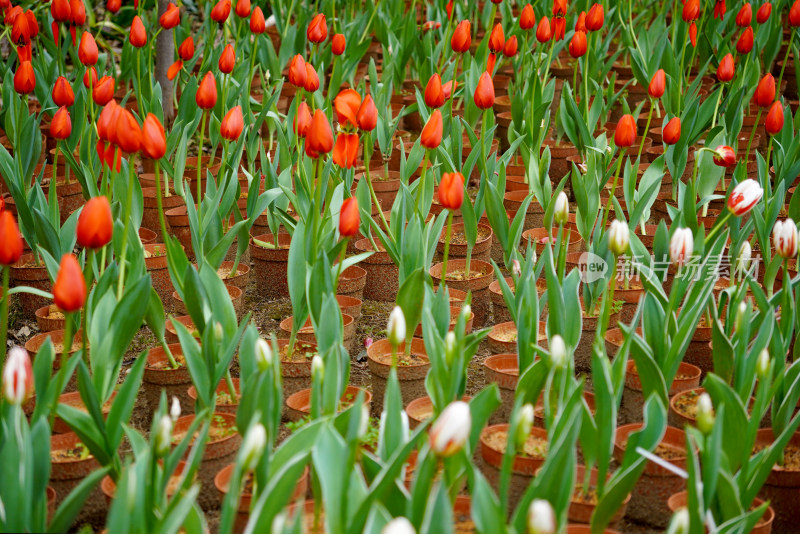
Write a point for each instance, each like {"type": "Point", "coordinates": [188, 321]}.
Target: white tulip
{"type": "Point", "coordinates": [541, 517]}
{"type": "Point", "coordinates": [619, 237]}
{"type": "Point", "coordinates": [399, 525]}
{"type": "Point", "coordinates": [451, 430]}
{"type": "Point", "coordinates": [396, 328]}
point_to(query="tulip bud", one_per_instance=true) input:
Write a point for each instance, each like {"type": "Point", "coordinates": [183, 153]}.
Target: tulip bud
{"type": "Point", "coordinates": [681, 246]}
{"type": "Point", "coordinates": [741, 310]}
{"type": "Point", "coordinates": [69, 289]}
{"type": "Point", "coordinates": [363, 424]}
{"type": "Point", "coordinates": [763, 364]}
{"type": "Point", "coordinates": [255, 441]}
{"type": "Point", "coordinates": [466, 310]}
{"type": "Point", "coordinates": [317, 369]}
{"type": "Point", "coordinates": [558, 352]}
{"type": "Point", "coordinates": [705, 414]}
{"type": "Point", "coordinates": [744, 257]}
{"type": "Point", "coordinates": [17, 376]}
{"type": "Point", "coordinates": [451, 430]}
{"type": "Point", "coordinates": [744, 197]}
{"type": "Point", "coordinates": [163, 439]}
{"type": "Point", "coordinates": [263, 354]}
{"type": "Point", "coordinates": [515, 268]}
{"type": "Point", "coordinates": [561, 209]}
{"type": "Point", "coordinates": [175, 408]}
{"type": "Point", "coordinates": [541, 517]}
{"type": "Point", "coordinates": [399, 525]}
{"type": "Point", "coordinates": [784, 238]}
{"type": "Point", "coordinates": [680, 522]}
{"type": "Point", "coordinates": [450, 347]}
{"type": "Point", "coordinates": [524, 425]}
{"type": "Point", "coordinates": [618, 237]}
{"type": "Point", "coordinates": [396, 328]}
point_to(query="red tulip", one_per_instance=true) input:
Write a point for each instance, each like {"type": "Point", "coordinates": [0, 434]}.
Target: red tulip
{"type": "Point", "coordinates": [154, 140]}
{"type": "Point", "coordinates": [763, 13]}
{"type": "Point", "coordinates": [107, 120]}
{"type": "Point", "coordinates": [724, 156]}
{"type": "Point", "coordinates": [484, 92]}
{"type": "Point", "coordinates": [559, 27]}
{"type": "Point", "coordinates": [171, 17]}
{"type": "Point", "coordinates": [63, 95]}
{"type": "Point", "coordinates": [302, 120]}
{"type": "Point", "coordinates": [90, 77]}
{"type": "Point", "coordinates": [462, 38]}
{"type": "Point", "coordinates": [794, 14]}
{"type": "Point", "coordinates": [60, 10]}
{"type": "Point", "coordinates": [232, 124]}
{"type": "Point", "coordinates": [725, 71]}
{"type": "Point", "coordinates": [527, 19]}
{"type": "Point", "coordinates": [10, 239]}
{"type": "Point", "coordinates": [24, 78]}
{"type": "Point", "coordinates": [103, 91]}
{"type": "Point", "coordinates": [580, 25]}
{"type": "Point", "coordinates": [320, 138]}
{"type": "Point", "coordinates": [227, 60]}
{"type": "Point", "coordinates": [221, 11]}
{"type": "Point", "coordinates": [297, 71]}
{"type": "Point", "coordinates": [765, 91]}
{"type": "Point", "coordinates": [127, 133]}
{"type": "Point", "coordinates": [367, 116]}
{"type": "Point", "coordinates": [317, 29]}
{"type": "Point", "coordinates": [243, 9]}
{"type": "Point", "coordinates": [774, 123]}
{"type": "Point", "coordinates": [719, 9]}
{"type": "Point", "coordinates": [138, 35]}
{"type": "Point", "coordinates": [431, 135]}
{"type": "Point", "coordinates": [434, 97]}
{"type": "Point", "coordinates": [95, 224]}
{"type": "Point", "coordinates": [510, 48]}
{"type": "Point", "coordinates": [114, 6]}
{"type": "Point", "coordinates": [497, 39]}
{"type": "Point", "coordinates": [312, 80]}
{"type": "Point", "coordinates": [448, 88]}
{"type": "Point", "coordinates": [451, 190]}
{"type": "Point", "coordinates": [24, 27]}
{"type": "Point", "coordinates": [186, 49]}
{"type": "Point", "coordinates": [625, 134]}
{"type": "Point", "coordinates": [595, 17]}
{"type": "Point", "coordinates": [206, 96]}
{"type": "Point", "coordinates": [61, 125]}
{"type": "Point", "coordinates": [257, 23]}
{"type": "Point", "coordinates": [672, 131]}
{"type": "Point", "coordinates": [87, 51]}
{"type": "Point", "coordinates": [543, 31]}
{"type": "Point", "coordinates": [657, 84]}
{"type": "Point", "coordinates": [431, 25]}
{"type": "Point", "coordinates": [347, 104]}
{"type": "Point", "coordinates": [345, 152]}
{"type": "Point", "coordinates": [745, 42]}
{"type": "Point", "coordinates": [744, 16]}
{"type": "Point", "coordinates": [693, 34]}
{"type": "Point", "coordinates": [559, 8]}
{"type": "Point", "coordinates": [25, 53]}
{"type": "Point", "coordinates": [337, 44]}
{"type": "Point", "coordinates": [691, 10]}
{"type": "Point", "coordinates": [349, 219]}
{"type": "Point", "coordinates": [174, 69]}
{"type": "Point", "coordinates": [577, 45]}
{"type": "Point", "coordinates": [69, 289]}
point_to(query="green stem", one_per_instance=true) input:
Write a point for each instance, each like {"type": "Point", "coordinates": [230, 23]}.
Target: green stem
{"type": "Point", "coordinates": [4, 312]}
{"type": "Point", "coordinates": [716, 107]}
{"type": "Point", "coordinates": [767, 181]}
{"type": "Point", "coordinates": [231, 387]}
{"type": "Point", "coordinates": [447, 245]}
{"type": "Point", "coordinates": [420, 187]}
{"type": "Point", "coordinates": [65, 350]}
{"type": "Point", "coordinates": [718, 226]}
{"type": "Point", "coordinates": [199, 165]}
{"type": "Point", "coordinates": [750, 141]}
{"type": "Point", "coordinates": [124, 248]}
{"type": "Point", "coordinates": [253, 54]}
{"type": "Point", "coordinates": [786, 58]}
{"type": "Point", "coordinates": [646, 129]}
{"type": "Point", "coordinates": [339, 269]}
{"type": "Point", "coordinates": [373, 196]}
{"type": "Point", "coordinates": [609, 202]}
{"type": "Point", "coordinates": [159, 202]}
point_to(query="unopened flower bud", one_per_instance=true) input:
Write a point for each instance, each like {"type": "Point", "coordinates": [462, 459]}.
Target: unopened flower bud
{"type": "Point", "coordinates": [363, 424]}
{"type": "Point", "coordinates": [515, 268]}
{"type": "Point", "coordinates": [541, 517]}
{"type": "Point", "coordinates": [558, 352]}
{"type": "Point", "coordinates": [561, 209]}
{"type": "Point", "coordinates": [762, 364]}
{"type": "Point", "coordinates": [218, 330]}
{"type": "Point", "coordinates": [399, 525]}
{"type": "Point", "coordinates": [163, 439]}
{"type": "Point", "coordinates": [450, 347]}
{"type": "Point", "coordinates": [175, 408]}
{"type": "Point", "coordinates": [705, 414]}
{"type": "Point", "coordinates": [317, 369]}
{"type": "Point", "coordinates": [524, 425]}
{"type": "Point", "coordinates": [618, 237]}
{"type": "Point", "coordinates": [17, 376]}
{"type": "Point", "coordinates": [466, 310]}
{"type": "Point", "coordinates": [131, 493]}
{"type": "Point", "coordinates": [396, 328]}
{"type": "Point", "coordinates": [451, 430]}
{"type": "Point", "coordinates": [253, 446]}
{"type": "Point", "coordinates": [680, 522]}
{"type": "Point", "coordinates": [738, 321]}
{"type": "Point", "coordinates": [263, 354]}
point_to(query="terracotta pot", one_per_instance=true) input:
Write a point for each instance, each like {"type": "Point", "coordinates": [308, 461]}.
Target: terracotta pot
{"type": "Point", "coordinates": [539, 237]}
{"type": "Point", "coordinates": [583, 352]}
{"type": "Point", "coordinates": [299, 404]}
{"type": "Point", "coordinates": [385, 183]}
{"type": "Point", "coordinates": [240, 279]}
{"type": "Point", "coordinates": [222, 482]}
{"type": "Point", "coordinates": [782, 487]}
{"type": "Point", "coordinates": [649, 497]}
{"type": "Point", "coordinates": [270, 265]}
{"type": "Point", "coordinates": [764, 525]}
{"type": "Point", "coordinates": [306, 332]}
{"type": "Point", "coordinates": [49, 318]}
{"type": "Point", "coordinates": [155, 262]}
{"type": "Point", "coordinates": [171, 334]}
{"type": "Point", "coordinates": [150, 218]}
{"type": "Point", "coordinates": [236, 295]}
{"type": "Point", "coordinates": [73, 399]}
{"type": "Point", "coordinates": [178, 220]}
{"type": "Point", "coordinates": [481, 251]}
{"type": "Point", "coordinates": [218, 453]}
{"type": "Point", "coordinates": [534, 216]}
{"type": "Point", "coordinates": [222, 388]}
{"type": "Point", "coordinates": [454, 312]}
{"type": "Point", "coordinates": [503, 370]}
{"type": "Point", "coordinates": [581, 511]}
{"type": "Point", "coordinates": [159, 376]}
{"type": "Point", "coordinates": [34, 345]}
{"type": "Point", "coordinates": [352, 282]}
{"type": "Point", "coordinates": [481, 275]}
{"type": "Point", "coordinates": [688, 377]}
{"type": "Point", "coordinates": [411, 371]}
{"type": "Point", "coordinates": [382, 273]}
{"type": "Point", "coordinates": [539, 411]}
{"type": "Point", "coordinates": [147, 236]}
{"type": "Point", "coordinates": [585, 529]}
{"type": "Point", "coordinates": [559, 151]}
{"type": "Point", "coordinates": [523, 468]}
{"type": "Point", "coordinates": [26, 273]}
{"type": "Point", "coordinates": [67, 473]}
{"type": "Point", "coordinates": [296, 372]}
{"type": "Point", "coordinates": [109, 487]}
{"type": "Point", "coordinates": [500, 313]}
{"type": "Point", "coordinates": [350, 306]}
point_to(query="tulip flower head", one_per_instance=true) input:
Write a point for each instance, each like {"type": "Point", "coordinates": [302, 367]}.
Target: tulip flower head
{"type": "Point", "coordinates": [95, 224]}
{"type": "Point", "coordinates": [527, 19]}
{"type": "Point", "coordinates": [345, 151]}
{"type": "Point", "coordinates": [451, 190]}
{"type": "Point", "coordinates": [69, 289]}
{"type": "Point", "coordinates": [784, 238]}
{"type": "Point", "coordinates": [367, 116]}
{"type": "Point", "coordinates": [745, 43]}
{"type": "Point", "coordinates": [462, 37]}
{"type": "Point", "coordinates": [319, 139]}
{"type": "Point", "coordinates": [625, 133]}
{"type": "Point", "coordinates": [206, 96]}
{"type": "Point", "coordinates": [138, 33]}
{"type": "Point", "coordinates": [232, 124]}
{"type": "Point", "coordinates": [577, 45]}
{"type": "Point", "coordinates": [794, 14]}
{"type": "Point", "coordinates": [221, 11]}
{"type": "Point", "coordinates": [541, 518]}
{"type": "Point", "coordinates": [63, 95]}
{"type": "Point", "coordinates": [87, 51]}
{"type": "Point", "coordinates": [399, 525]}
{"type": "Point", "coordinates": [725, 156]}
{"type": "Point", "coordinates": [171, 17]}
{"type": "Point", "coordinates": [744, 16]}
{"type": "Point", "coordinates": [484, 92]}
{"type": "Point", "coordinates": [302, 120]}
{"type": "Point", "coordinates": [17, 376]}
{"type": "Point", "coordinates": [103, 90]}
{"type": "Point", "coordinates": [347, 103]}
{"type": "Point", "coordinates": [24, 78]}
{"type": "Point", "coordinates": [349, 219]}
{"type": "Point", "coordinates": [543, 31]}
{"type": "Point", "coordinates": [765, 91]}
{"type": "Point", "coordinates": [744, 197]}
{"type": "Point", "coordinates": [434, 96]}
{"type": "Point", "coordinates": [60, 10]}
{"type": "Point", "coordinates": [657, 84]}
{"type": "Point", "coordinates": [510, 48]}
{"type": "Point", "coordinates": [497, 39]}
{"type": "Point", "coordinates": [338, 43]}
{"type": "Point", "coordinates": [595, 17]}
{"type": "Point", "coordinates": [61, 125]}
{"type": "Point", "coordinates": [396, 327]}
{"type": "Point", "coordinates": [618, 237]}
{"type": "Point", "coordinates": [681, 246]}
{"type": "Point", "coordinates": [154, 139]}
{"type": "Point", "coordinates": [774, 122]}
{"type": "Point", "coordinates": [719, 9]}
{"type": "Point", "coordinates": [258, 24]}
{"type": "Point", "coordinates": [242, 9]}
{"type": "Point", "coordinates": [450, 431]}
{"type": "Point", "coordinates": [227, 60]}
{"type": "Point", "coordinates": [691, 10]}
{"type": "Point", "coordinates": [431, 135]}
{"type": "Point", "coordinates": [114, 6]}
{"type": "Point", "coordinates": [317, 30]}
{"type": "Point", "coordinates": [561, 209]}
{"type": "Point", "coordinates": [763, 13]}
{"type": "Point", "coordinates": [312, 79]}
{"type": "Point", "coordinates": [10, 239]}
{"type": "Point", "coordinates": [297, 71]}
{"type": "Point", "coordinates": [672, 131]}
{"type": "Point", "coordinates": [725, 71]}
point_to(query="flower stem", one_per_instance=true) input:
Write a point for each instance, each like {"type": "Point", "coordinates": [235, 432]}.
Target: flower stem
{"type": "Point", "coordinates": [785, 59]}
{"type": "Point", "coordinates": [4, 312]}
{"type": "Point", "coordinates": [609, 204]}
{"type": "Point", "coordinates": [447, 245]}
{"type": "Point", "coordinates": [646, 129]}
{"type": "Point", "coordinates": [750, 141]}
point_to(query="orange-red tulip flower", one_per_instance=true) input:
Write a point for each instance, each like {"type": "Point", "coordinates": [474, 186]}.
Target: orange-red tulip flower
{"type": "Point", "coordinates": [345, 151]}
{"type": "Point", "coordinates": [625, 134]}
{"type": "Point", "coordinates": [154, 140]}
{"type": "Point", "coordinates": [95, 224]}
{"type": "Point", "coordinates": [128, 134]}
{"type": "Point", "coordinates": [87, 51]}
{"type": "Point", "coordinates": [672, 131]}
{"type": "Point", "coordinates": [484, 92]}
{"type": "Point", "coordinates": [462, 37]}
{"type": "Point", "coordinates": [227, 60]}
{"type": "Point", "coordinates": [349, 218]}
{"type": "Point", "coordinates": [10, 239]}
{"type": "Point", "coordinates": [745, 43]}
{"type": "Point", "coordinates": [774, 122]}
{"type": "Point", "coordinates": [171, 17]}
{"type": "Point", "coordinates": [60, 10]}
{"type": "Point", "coordinates": [765, 91]}
{"type": "Point", "coordinates": [657, 84]}
{"type": "Point", "coordinates": [726, 70]}
{"type": "Point", "coordinates": [451, 190]}
{"type": "Point", "coordinates": [337, 44]}
{"type": "Point", "coordinates": [595, 18]}
{"type": "Point", "coordinates": [24, 78]}
{"type": "Point", "coordinates": [297, 71]}
{"type": "Point", "coordinates": [138, 35]}
{"type": "Point", "coordinates": [61, 125]}
{"type": "Point", "coordinates": [242, 9]}
{"type": "Point", "coordinates": [206, 96]}
{"type": "Point", "coordinates": [186, 49]}
{"type": "Point", "coordinates": [510, 48]}
{"type": "Point", "coordinates": [497, 39]}
{"type": "Point", "coordinates": [302, 120]}
{"type": "Point", "coordinates": [745, 16]}
{"type": "Point", "coordinates": [320, 138]}
{"type": "Point", "coordinates": [577, 45]}
{"type": "Point", "coordinates": [434, 97]}
{"type": "Point", "coordinates": [232, 124]}
{"type": "Point", "coordinates": [317, 29]}
{"type": "Point", "coordinates": [543, 31]}
{"type": "Point", "coordinates": [221, 11]}
{"type": "Point", "coordinates": [346, 105]}
{"type": "Point", "coordinates": [431, 135]}
{"type": "Point", "coordinates": [258, 24]}
{"type": "Point", "coordinates": [63, 95]}
{"type": "Point", "coordinates": [312, 80]}
{"type": "Point", "coordinates": [763, 13]}
{"type": "Point", "coordinates": [69, 289]}
{"type": "Point", "coordinates": [527, 19]}
{"type": "Point", "coordinates": [103, 90]}
{"type": "Point", "coordinates": [719, 9]}
{"type": "Point", "coordinates": [367, 116]}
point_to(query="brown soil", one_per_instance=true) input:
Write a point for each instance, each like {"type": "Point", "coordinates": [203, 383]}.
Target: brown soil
{"type": "Point", "coordinates": [216, 432]}
{"type": "Point", "coordinates": [301, 353]}
{"type": "Point", "coordinates": [156, 253]}
{"type": "Point", "coordinates": [54, 313]}
{"type": "Point", "coordinates": [791, 456]}
{"type": "Point", "coordinates": [461, 274]}
{"type": "Point", "coordinates": [402, 359]}
{"type": "Point", "coordinates": [78, 452]}
{"type": "Point", "coordinates": [535, 447]}
{"type": "Point", "coordinates": [686, 404]}
{"type": "Point", "coordinates": [507, 336]}
{"type": "Point", "coordinates": [166, 365]}
{"type": "Point", "coordinates": [586, 497]}
{"type": "Point", "coordinates": [460, 238]}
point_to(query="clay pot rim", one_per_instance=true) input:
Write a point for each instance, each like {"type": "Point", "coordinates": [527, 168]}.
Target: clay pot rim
{"type": "Point", "coordinates": [486, 269]}
{"type": "Point", "coordinates": [69, 438]}
{"type": "Point", "coordinates": [378, 347]}
{"type": "Point", "coordinates": [292, 400]}
{"type": "Point", "coordinates": [286, 324]}
{"type": "Point", "coordinates": [192, 391]}
{"type": "Point", "coordinates": [624, 431]}
{"type": "Point", "coordinates": [492, 362]}
{"type": "Point", "coordinates": [490, 429]}
{"type": "Point", "coordinates": [676, 498]}
{"type": "Point", "coordinates": [158, 351]}
{"type": "Point", "coordinates": [187, 420]}
{"type": "Point", "coordinates": [460, 226]}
